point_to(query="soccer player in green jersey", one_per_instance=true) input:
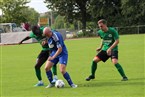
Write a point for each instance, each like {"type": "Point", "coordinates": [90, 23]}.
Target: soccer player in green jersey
{"type": "Point", "coordinates": [43, 55]}
{"type": "Point", "coordinates": [108, 49]}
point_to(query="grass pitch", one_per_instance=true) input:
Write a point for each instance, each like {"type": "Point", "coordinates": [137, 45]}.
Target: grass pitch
{"type": "Point", "coordinates": [17, 75]}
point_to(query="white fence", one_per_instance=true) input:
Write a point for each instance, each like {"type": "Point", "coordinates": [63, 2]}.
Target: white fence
{"type": "Point", "coordinates": [140, 29]}
{"type": "Point", "coordinates": [16, 37]}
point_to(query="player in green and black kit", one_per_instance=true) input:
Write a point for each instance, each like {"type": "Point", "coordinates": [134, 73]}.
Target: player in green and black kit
{"type": "Point", "coordinates": [44, 54]}
{"type": "Point", "coordinates": [107, 49]}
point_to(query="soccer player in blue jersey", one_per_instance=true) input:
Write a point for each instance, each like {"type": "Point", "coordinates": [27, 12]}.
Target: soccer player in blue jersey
{"type": "Point", "coordinates": [37, 33]}
{"type": "Point", "coordinates": [58, 54]}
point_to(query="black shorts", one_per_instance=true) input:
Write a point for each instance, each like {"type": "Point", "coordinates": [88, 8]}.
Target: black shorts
{"type": "Point", "coordinates": [44, 54]}
{"type": "Point", "coordinates": [102, 55]}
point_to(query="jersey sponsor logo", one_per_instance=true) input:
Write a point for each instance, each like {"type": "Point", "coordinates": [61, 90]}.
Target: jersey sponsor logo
{"type": "Point", "coordinates": [107, 41]}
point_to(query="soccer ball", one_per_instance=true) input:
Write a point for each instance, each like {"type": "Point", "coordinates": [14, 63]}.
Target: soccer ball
{"type": "Point", "coordinates": [59, 84]}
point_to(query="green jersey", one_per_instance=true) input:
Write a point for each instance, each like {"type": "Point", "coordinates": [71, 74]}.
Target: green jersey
{"type": "Point", "coordinates": [40, 39]}
{"type": "Point", "coordinates": [109, 38]}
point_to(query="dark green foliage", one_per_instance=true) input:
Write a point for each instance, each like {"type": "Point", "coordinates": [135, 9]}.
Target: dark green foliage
{"type": "Point", "coordinates": [116, 12]}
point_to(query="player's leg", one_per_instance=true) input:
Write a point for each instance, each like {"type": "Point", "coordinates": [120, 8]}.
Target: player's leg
{"type": "Point", "coordinates": [101, 56]}
{"type": "Point", "coordinates": [39, 62]}
{"type": "Point", "coordinates": [66, 75]}
{"type": "Point", "coordinates": [54, 71]}
{"type": "Point", "coordinates": [48, 67]}
{"type": "Point", "coordinates": [63, 63]}
{"type": "Point", "coordinates": [93, 68]}
{"type": "Point", "coordinates": [114, 58]}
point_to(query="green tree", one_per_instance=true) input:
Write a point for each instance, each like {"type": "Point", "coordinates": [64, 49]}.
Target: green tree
{"type": "Point", "coordinates": [30, 15]}
{"type": "Point", "coordinates": [12, 10]}
{"type": "Point", "coordinates": [134, 11]}
{"type": "Point", "coordinates": [16, 11]}
{"type": "Point", "coordinates": [107, 9]}
{"type": "Point", "coordinates": [59, 22]}
{"type": "Point", "coordinates": [71, 10]}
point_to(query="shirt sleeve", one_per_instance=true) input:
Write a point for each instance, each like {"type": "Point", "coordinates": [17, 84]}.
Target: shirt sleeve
{"type": "Point", "coordinates": [115, 32]}
{"type": "Point", "coordinates": [31, 35]}
{"type": "Point", "coordinates": [57, 40]}
{"type": "Point", "coordinates": [99, 34]}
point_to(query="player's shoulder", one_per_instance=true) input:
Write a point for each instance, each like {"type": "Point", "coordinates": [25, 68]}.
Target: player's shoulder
{"type": "Point", "coordinates": [55, 35]}
{"type": "Point", "coordinates": [99, 31]}
{"type": "Point", "coordinates": [31, 34]}
{"type": "Point", "coordinates": [112, 28]}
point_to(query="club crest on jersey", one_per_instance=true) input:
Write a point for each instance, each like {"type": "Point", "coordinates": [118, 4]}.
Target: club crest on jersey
{"type": "Point", "coordinates": [110, 35]}
{"type": "Point", "coordinates": [51, 45]}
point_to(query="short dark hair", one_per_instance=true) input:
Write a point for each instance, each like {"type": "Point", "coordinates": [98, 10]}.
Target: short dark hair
{"type": "Point", "coordinates": [102, 21]}
{"type": "Point", "coordinates": [36, 30]}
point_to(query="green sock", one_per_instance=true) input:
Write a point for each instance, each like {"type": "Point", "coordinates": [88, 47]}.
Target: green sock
{"type": "Point", "coordinates": [120, 69]}
{"type": "Point", "coordinates": [93, 68]}
{"type": "Point", "coordinates": [38, 74]}
{"type": "Point", "coordinates": [54, 69]}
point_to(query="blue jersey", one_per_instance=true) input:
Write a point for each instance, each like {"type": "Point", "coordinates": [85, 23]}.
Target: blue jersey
{"type": "Point", "coordinates": [56, 41]}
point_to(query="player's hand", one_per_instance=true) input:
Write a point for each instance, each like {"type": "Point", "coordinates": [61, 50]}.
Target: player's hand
{"type": "Point", "coordinates": [50, 58]}
{"type": "Point", "coordinates": [98, 49]}
{"type": "Point", "coordinates": [20, 42]}
{"type": "Point", "coordinates": [109, 52]}
{"type": "Point", "coordinates": [43, 43]}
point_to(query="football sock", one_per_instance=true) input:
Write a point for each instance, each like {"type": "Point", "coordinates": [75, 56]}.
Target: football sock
{"type": "Point", "coordinates": [93, 68]}
{"type": "Point", "coordinates": [120, 69]}
{"type": "Point", "coordinates": [55, 77]}
{"type": "Point", "coordinates": [40, 81]}
{"type": "Point", "coordinates": [49, 75]}
{"type": "Point", "coordinates": [54, 69]}
{"type": "Point", "coordinates": [67, 77]}
{"type": "Point", "coordinates": [38, 74]}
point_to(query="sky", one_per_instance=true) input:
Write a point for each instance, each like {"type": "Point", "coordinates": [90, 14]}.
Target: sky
{"type": "Point", "coordinates": [38, 5]}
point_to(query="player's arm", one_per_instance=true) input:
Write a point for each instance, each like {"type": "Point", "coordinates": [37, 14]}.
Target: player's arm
{"type": "Point", "coordinates": [116, 38]}
{"type": "Point", "coordinates": [26, 38]}
{"type": "Point", "coordinates": [100, 47]}
{"type": "Point", "coordinates": [114, 44]}
{"type": "Point", "coordinates": [59, 50]}
{"type": "Point", "coordinates": [44, 42]}
{"type": "Point", "coordinates": [101, 44]}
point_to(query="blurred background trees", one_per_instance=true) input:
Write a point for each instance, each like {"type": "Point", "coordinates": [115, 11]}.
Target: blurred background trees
{"type": "Point", "coordinates": [16, 11]}
{"type": "Point", "coordinates": [117, 12]}
{"type": "Point", "coordinates": [77, 14]}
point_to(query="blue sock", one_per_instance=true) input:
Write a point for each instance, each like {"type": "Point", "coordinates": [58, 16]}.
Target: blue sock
{"type": "Point", "coordinates": [67, 77]}
{"type": "Point", "coordinates": [49, 75]}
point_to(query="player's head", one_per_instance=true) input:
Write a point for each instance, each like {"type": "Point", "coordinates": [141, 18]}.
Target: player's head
{"type": "Point", "coordinates": [102, 24]}
{"type": "Point", "coordinates": [47, 32]}
{"type": "Point", "coordinates": [36, 30]}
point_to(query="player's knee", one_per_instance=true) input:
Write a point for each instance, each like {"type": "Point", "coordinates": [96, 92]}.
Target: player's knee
{"type": "Point", "coordinates": [62, 68]}
{"type": "Point", "coordinates": [114, 61]}
{"type": "Point", "coordinates": [96, 60]}
{"type": "Point", "coordinates": [62, 71]}
{"type": "Point", "coordinates": [46, 68]}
